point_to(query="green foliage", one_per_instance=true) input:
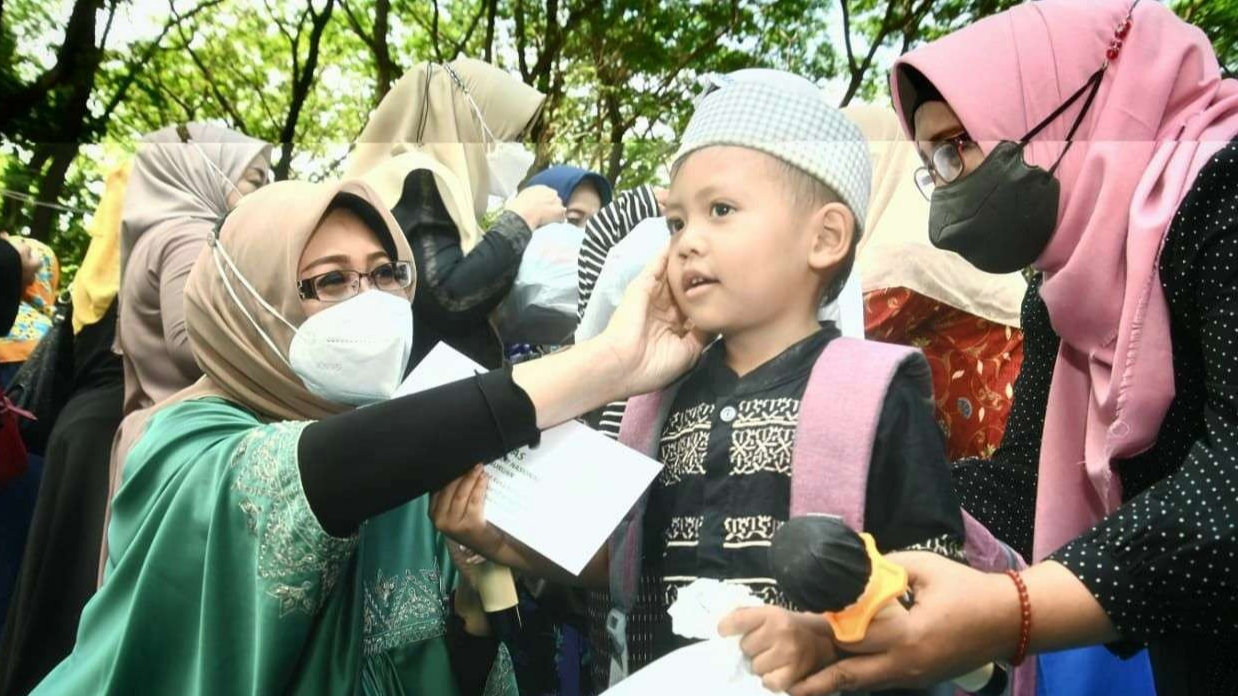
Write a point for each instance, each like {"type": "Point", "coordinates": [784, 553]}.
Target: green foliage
{"type": "Point", "coordinates": [620, 74]}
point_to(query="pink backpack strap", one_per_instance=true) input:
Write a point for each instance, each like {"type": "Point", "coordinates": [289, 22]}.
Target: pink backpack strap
{"type": "Point", "coordinates": [639, 429]}
{"type": "Point", "coordinates": [838, 424]}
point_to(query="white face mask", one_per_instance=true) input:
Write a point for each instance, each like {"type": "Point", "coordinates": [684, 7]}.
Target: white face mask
{"type": "Point", "coordinates": [508, 164]}
{"type": "Point", "coordinates": [354, 352]}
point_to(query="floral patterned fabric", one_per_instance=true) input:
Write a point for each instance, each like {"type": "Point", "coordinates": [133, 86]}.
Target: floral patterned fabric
{"type": "Point", "coordinates": [975, 362]}
{"type": "Point", "coordinates": [38, 306]}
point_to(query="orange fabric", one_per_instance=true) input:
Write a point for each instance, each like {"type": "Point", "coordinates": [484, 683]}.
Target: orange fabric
{"type": "Point", "coordinates": [974, 362]}
{"type": "Point", "coordinates": [38, 307]}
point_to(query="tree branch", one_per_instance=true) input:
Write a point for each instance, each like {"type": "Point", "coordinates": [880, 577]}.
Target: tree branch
{"type": "Point", "coordinates": [434, 35]}
{"type": "Point", "coordinates": [858, 74]}
{"type": "Point", "coordinates": [492, 12]}
{"type": "Point", "coordinates": [468, 34]}
{"type": "Point", "coordinates": [521, 40]}
{"type": "Point", "coordinates": [302, 86]}
{"type": "Point", "coordinates": [237, 120]}
{"type": "Point", "coordinates": [135, 66]}
{"type": "Point", "coordinates": [355, 25]}
{"type": "Point", "coordinates": [77, 48]}
{"type": "Point", "coordinates": [847, 36]}
{"type": "Point", "coordinates": [107, 26]}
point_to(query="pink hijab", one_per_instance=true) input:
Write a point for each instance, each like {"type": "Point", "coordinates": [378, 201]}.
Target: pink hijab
{"type": "Point", "coordinates": [1162, 112]}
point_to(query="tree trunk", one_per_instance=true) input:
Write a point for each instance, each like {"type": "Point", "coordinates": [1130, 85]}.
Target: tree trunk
{"type": "Point", "coordinates": [384, 67]}
{"type": "Point", "coordinates": [73, 122]}
{"type": "Point", "coordinates": [491, 17]}
{"type": "Point", "coordinates": [43, 219]}
{"type": "Point", "coordinates": [302, 87]}
{"type": "Point", "coordinates": [77, 53]}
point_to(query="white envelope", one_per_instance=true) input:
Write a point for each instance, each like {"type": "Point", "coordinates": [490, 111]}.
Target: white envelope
{"type": "Point", "coordinates": [562, 499]}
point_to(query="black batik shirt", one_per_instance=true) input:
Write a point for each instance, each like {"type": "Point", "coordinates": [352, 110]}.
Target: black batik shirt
{"type": "Point", "coordinates": [725, 487]}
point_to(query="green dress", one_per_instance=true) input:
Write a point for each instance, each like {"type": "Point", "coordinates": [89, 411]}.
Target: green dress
{"type": "Point", "coordinates": [220, 580]}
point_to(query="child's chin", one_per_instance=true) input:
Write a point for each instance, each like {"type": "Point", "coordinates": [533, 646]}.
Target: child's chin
{"type": "Point", "coordinates": [709, 322]}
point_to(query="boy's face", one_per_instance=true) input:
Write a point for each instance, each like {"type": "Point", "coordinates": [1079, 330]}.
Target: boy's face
{"type": "Point", "coordinates": [743, 253]}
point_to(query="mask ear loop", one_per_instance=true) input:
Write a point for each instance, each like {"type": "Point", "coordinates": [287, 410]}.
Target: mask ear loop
{"type": "Point", "coordinates": [494, 141]}
{"type": "Point", "coordinates": [217, 251]}
{"type": "Point", "coordinates": [1092, 84]}
{"type": "Point", "coordinates": [183, 131]}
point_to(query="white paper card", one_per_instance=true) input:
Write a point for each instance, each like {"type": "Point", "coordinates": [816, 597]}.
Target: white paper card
{"type": "Point", "coordinates": [562, 499]}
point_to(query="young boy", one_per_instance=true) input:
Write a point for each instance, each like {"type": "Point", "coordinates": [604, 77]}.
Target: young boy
{"type": "Point", "coordinates": [766, 205]}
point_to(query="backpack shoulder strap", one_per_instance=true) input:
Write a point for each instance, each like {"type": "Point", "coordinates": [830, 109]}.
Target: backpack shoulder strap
{"type": "Point", "coordinates": [640, 425]}
{"type": "Point", "coordinates": [839, 414]}
{"type": "Point", "coordinates": [640, 429]}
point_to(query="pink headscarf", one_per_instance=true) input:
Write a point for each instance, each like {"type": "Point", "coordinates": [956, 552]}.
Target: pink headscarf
{"type": "Point", "coordinates": [1162, 112]}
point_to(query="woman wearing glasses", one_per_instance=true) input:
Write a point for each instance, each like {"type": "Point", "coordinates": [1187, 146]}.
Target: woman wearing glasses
{"type": "Point", "coordinates": [1093, 142]}
{"type": "Point", "coordinates": [271, 538]}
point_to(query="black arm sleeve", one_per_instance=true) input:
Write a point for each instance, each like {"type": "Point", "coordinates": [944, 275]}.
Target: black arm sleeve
{"type": "Point", "coordinates": [474, 284]}
{"type": "Point", "coordinates": [1000, 491]}
{"type": "Point", "coordinates": [10, 286]}
{"type": "Point", "coordinates": [364, 462]}
{"type": "Point", "coordinates": [910, 498]}
{"type": "Point", "coordinates": [462, 287]}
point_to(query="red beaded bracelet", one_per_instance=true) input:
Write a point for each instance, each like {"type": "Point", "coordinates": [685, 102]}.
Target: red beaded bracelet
{"type": "Point", "coordinates": [1025, 622]}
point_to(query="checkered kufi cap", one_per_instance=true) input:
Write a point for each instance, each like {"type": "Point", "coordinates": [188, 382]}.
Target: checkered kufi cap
{"type": "Point", "coordinates": [788, 117]}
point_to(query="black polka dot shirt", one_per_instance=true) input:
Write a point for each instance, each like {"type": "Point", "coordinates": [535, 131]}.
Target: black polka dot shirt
{"type": "Point", "coordinates": [1165, 565]}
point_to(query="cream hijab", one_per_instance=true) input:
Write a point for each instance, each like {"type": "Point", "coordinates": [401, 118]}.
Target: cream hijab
{"type": "Point", "coordinates": [428, 113]}
{"type": "Point", "coordinates": [238, 363]}
{"type": "Point", "coordinates": [895, 251]}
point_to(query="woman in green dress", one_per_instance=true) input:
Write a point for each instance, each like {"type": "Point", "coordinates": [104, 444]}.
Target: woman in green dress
{"type": "Point", "coordinates": [271, 538]}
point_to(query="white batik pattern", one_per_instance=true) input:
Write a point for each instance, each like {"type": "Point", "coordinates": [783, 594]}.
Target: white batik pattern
{"type": "Point", "coordinates": [763, 436]}
{"type": "Point", "coordinates": [684, 531]}
{"type": "Point", "coordinates": [755, 530]}
{"type": "Point", "coordinates": [684, 444]}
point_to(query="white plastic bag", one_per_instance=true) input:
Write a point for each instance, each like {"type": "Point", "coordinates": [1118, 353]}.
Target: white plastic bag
{"type": "Point", "coordinates": [541, 307]}
{"type": "Point", "coordinates": [715, 666]}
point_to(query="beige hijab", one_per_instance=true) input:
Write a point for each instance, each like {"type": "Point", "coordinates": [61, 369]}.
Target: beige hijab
{"type": "Point", "coordinates": [173, 184]}
{"type": "Point", "coordinates": [895, 251]}
{"type": "Point", "coordinates": [427, 112]}
{"type": "Point", "coordinates": [238, 363]}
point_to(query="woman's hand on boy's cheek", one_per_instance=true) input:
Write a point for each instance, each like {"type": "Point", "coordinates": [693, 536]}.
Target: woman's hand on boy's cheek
{"type": "Point", "coordinates": [458, 511]}
{"type": "Point", "coordinates": [784, 646]}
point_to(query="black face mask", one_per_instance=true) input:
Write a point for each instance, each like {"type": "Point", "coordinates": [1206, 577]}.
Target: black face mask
{"type": "Point", "coordinates": [1002, 215]}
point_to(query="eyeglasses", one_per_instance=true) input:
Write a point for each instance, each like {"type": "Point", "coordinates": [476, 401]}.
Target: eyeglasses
{"type": "Point", "coordinates": [944, 164]}
{"type": "Point", "coordinates": [340, 285]}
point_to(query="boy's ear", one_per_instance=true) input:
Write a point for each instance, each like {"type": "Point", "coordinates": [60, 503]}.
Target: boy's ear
{"type": "Point", "coordinates": [834, 229]}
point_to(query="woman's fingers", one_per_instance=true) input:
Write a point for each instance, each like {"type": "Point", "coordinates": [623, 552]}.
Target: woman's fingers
{"type": "Point", "coordinates": [477, 500]}
{"type": "Point", "coordinates": [861, 673]}
{"type": "Point", "coordinates": [780, 679]}
{"type": "Point", "coordinates": [460, 498]}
